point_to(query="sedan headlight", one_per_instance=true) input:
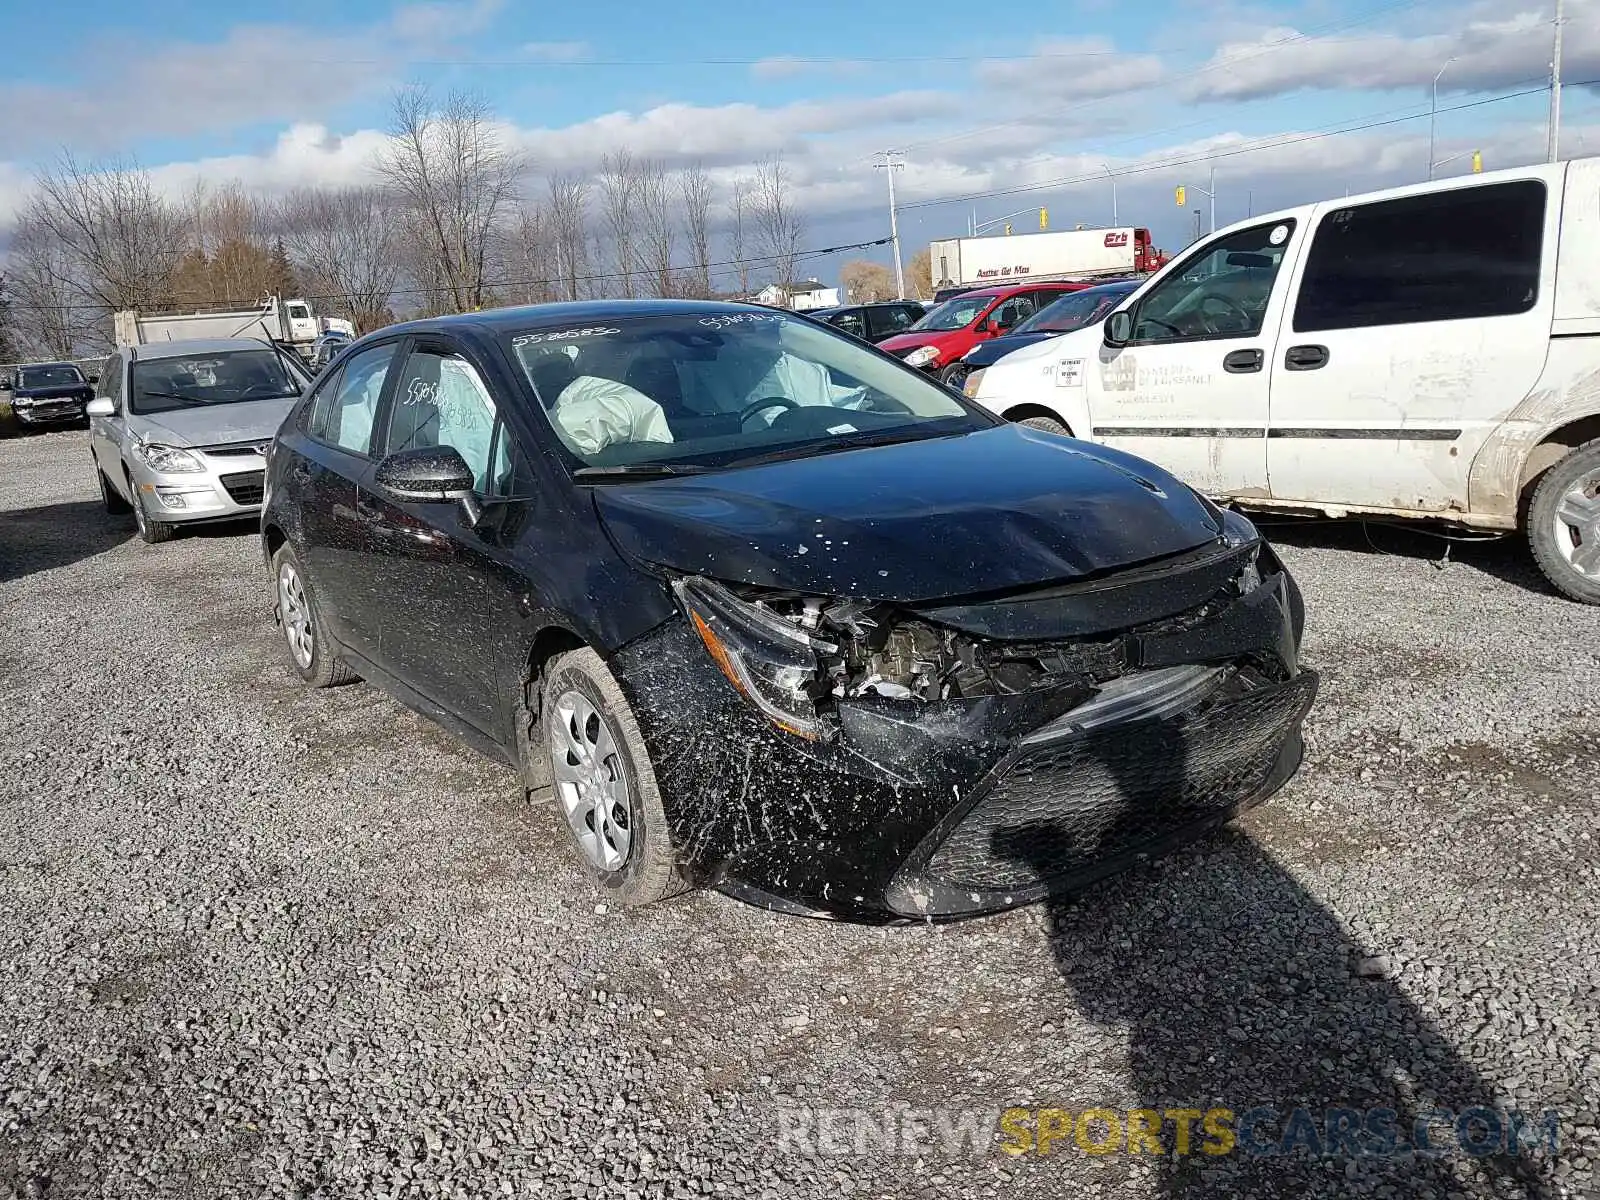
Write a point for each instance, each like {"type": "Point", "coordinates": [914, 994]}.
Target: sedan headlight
{"type": "Point", "coordinates": [974, 378]}
{"type": "Point", "coordinates": [167, 460]}
{"type": "Point", "coordinates": [922, 356]}
{"type": "Point", "coordinates": [771, 662]}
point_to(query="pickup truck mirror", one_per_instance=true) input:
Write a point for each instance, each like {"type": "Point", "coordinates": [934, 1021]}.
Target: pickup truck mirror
{"type": "Point", "coordinates": [100, 407]}
{"type": "Point", "coordinates": [1119, 328]}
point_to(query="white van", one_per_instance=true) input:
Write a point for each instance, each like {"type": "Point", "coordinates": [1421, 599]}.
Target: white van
{"type": "Point", "coordinates": [1427, 351]}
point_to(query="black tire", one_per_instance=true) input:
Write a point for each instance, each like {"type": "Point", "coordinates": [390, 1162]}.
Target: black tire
{"type": "Point", "coordinates": [1551, 539]}
{"type": "Point", "coordinates": [1046, 425]}
{"type": "Point", "coordinates": [321, 667]}
{"type": "Point", "coordinates": [650, 870]}
{"type": "Point", "coordinates": [151, 530]}
{"type": "Point", "coordinates": [111, 499]}
{"type": "Point", "coordinates": [955, 375]}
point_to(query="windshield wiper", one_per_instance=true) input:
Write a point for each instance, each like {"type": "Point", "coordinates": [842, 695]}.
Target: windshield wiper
{"type": "Point", "coordinates": [859, 442]}
{"type": "Point", "coordinates": [177, 396]}
{"type": "Point", "coordinates": [640, 471]}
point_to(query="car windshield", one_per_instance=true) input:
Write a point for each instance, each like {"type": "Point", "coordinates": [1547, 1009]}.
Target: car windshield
{"type": "Point", "coordinates": [49, 375]}
{"type": "Point", "coordinates": [718, 389]}
{"type": "Point", "coordinates": [956, 313]}
{"type": "Point", "coordinates": [1073, 311]}
{"type": "Point", "coordinates": [219, 377]}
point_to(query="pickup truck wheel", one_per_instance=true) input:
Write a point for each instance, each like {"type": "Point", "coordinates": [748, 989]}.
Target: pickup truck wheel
{"type": "Point", "coordinates": [1564, 524]}
{"type": "Point", "coordinates": [111, 499]}
{"type": "Point", "coordinates": [300, 619]}
{"type": "Point", "coordinates": [604, 784]}
{"type": "Point", "coordinates": [1045, 425]}
{"type": "Point", "coordinates": [150, 529]}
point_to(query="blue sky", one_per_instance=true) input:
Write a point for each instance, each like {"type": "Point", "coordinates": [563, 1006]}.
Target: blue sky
{"type": "Point", "coordinates": [984, 100]}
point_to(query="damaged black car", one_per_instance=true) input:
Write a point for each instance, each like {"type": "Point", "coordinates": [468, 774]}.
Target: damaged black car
{"type": "Point", "coordinates": [757, 607]}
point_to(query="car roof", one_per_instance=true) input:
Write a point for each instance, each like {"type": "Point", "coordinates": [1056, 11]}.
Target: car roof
{"type": "Point", "coordinates": [184, 346]}
{"type": "Point", "coordinates": [566, 312]}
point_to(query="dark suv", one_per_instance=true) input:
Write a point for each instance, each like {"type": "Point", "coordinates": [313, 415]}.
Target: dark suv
{"type": "Point", "coordinates": [760, 608]}
{"type": "Point", "coordinates": [872, 322]}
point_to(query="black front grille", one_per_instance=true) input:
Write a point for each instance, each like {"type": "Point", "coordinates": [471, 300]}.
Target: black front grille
{"type": "Point", "coordinates": [1065, 807]}
{"type": "Point", "coordinates": [245, 486]}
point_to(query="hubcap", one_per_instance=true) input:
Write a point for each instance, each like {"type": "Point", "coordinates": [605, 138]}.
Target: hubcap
{"type": "Point", "coordinates": [296, 612]}
{"type": "Point", "coordinates": [590, 781]}
{"type": "Point", "coordinates": [1577, 523]}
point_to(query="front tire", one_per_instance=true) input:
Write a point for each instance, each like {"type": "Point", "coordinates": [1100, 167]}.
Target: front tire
{"type": "Point", "coordinates": [1564, 524]}
{"type": "Point", "coordinates": [1046, 425]}
{"type": "Point", "coordinates": [955, 376]}
{"type": "Point", "coordinates": [300, 619]}
{"type": "Point", "coordinates": [151, 530]}
{"type": "Point", "coordinates": [604, 784]}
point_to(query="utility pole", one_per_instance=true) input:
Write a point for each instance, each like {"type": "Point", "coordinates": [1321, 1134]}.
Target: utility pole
{"type": "Point", "coordinates": [1433, 111]}
{"type": "Point", "coordinates": [1555, 86]}
{"type": "Point", "coordinates": [1211, 192]}
{"type": "Point", "coordinates": [1106, 167]}
{"type": "Point", "coordinates": [894, 160]}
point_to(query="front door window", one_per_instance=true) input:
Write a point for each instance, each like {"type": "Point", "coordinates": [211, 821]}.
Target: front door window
{"type": "Point", "coordinates": [1222, 292]}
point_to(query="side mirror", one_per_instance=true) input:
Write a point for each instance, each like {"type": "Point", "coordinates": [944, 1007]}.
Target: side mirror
{"type": "Point", "coordinates": [429, 475]}
{"type": "Point", "coordinates": [100, 407]}
{"type": "Point", "coordinates": [1119, 328]}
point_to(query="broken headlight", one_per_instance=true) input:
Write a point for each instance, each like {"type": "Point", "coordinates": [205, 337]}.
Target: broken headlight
{"type": "Point", "coordinates": [770, 661]}
{"type": "Point", "coordinates": [1237, 530]}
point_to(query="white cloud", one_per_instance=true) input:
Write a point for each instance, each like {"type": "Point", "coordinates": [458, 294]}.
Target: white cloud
{"type": "Point", "coordinates": [1072, 69]}
{"type": "Point", "coordinates": [434, 19]}
{"type": "Point", "coordinates": [1499, 52]}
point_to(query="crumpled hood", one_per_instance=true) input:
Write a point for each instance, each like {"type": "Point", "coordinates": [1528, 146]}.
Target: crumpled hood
{"type": "Point", "coordinates": [999, 509]}
{"type": "Point", "coordinates": [900, 343]}
{"type": "Point", "coordinates": [215, 424]}
{"type": "Point", "coordinates": [55, 391]}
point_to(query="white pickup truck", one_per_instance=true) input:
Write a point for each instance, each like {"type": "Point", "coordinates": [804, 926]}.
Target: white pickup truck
{"type": "Point", "coordinates": [1427, 351]}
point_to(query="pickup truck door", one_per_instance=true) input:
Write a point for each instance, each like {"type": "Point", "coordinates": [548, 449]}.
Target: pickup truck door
{"type": "Point", "coordinates": [1190, 389]}
{"type": "Point", "coordinates": [1419, 323]}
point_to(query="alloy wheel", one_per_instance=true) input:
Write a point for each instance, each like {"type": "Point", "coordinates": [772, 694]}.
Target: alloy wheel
{"type": "Point", "coordinates": [1577, 525]}
{"type": "Point", "coordinates": [295, 609]}
{"type": "Point", "coordinates": [590, 781]}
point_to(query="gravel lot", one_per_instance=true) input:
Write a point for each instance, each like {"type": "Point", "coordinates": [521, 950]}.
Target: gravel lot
{"type": "Point", "coordinates": [256, 940]}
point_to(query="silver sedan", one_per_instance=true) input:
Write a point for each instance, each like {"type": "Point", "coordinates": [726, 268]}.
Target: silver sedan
{"type": "Point", "coordinates": [180, 430]}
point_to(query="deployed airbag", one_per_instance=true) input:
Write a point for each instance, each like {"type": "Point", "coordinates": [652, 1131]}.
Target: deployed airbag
{"type": "Point", "coordinates": [592, 413]}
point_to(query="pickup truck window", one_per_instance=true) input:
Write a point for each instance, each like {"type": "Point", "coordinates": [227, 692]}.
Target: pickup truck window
{"type": "Point", "coordinates": [1443, 256]}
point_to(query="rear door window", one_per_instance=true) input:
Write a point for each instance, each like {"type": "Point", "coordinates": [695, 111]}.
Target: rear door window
{"type": "Point", "coordinates": [1443, 256]}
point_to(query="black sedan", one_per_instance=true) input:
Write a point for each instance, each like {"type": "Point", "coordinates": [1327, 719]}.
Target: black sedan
{"type": "Point", "coordinates": [1072, 311]}
{"type": "Point", "coordinates": [50, 394]}
{"type": "Point", "coordinates": [761, 609]}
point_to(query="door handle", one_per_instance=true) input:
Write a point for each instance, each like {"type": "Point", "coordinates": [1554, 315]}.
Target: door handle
{"type": "Point", "coordinates": [1305, 358]}
{"type": "Point", "coordinates": [1242, 362]}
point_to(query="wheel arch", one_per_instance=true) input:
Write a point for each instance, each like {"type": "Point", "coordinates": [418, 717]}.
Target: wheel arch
{"type": "Point", "coordinates": [1550, 450]}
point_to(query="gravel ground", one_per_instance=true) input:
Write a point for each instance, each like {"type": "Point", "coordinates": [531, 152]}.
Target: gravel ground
{"type": "Point", "coordinates": [262, 941]}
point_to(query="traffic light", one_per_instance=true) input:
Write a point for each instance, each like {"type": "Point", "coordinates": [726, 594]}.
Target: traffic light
{"type": "Point", "coordinates": [1044, 218]}
{"type": "Point", "coordinates": [1477, 162]}
{"type": "Point", "coordinates": [1182, 195]}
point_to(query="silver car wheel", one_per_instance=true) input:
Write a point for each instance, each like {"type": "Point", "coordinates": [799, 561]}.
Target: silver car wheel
{"type": "Point", "coordinates": [591, 781]}
{"type": "Point", "coordinates": [296, 612]}
{"type": "Point", "coordinates": [1577, 522]}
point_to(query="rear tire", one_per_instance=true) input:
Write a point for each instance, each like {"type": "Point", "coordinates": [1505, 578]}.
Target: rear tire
{"type": "Point", "coordinates": [1564, 524]}
{"type": "Point", "coordinates": [1046, 425]}
{"type": "Point", "coordinates": [151, 530]}
{"type": "Point", "coordinates": [111, 499]}
{"type": "Point", "coordinates": [603, 782]}
{"type": "Point", "coordinates": [300, 618]}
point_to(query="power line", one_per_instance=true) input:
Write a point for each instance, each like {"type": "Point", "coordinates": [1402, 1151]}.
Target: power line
{"type": "Point", "coordinates": [1233, 152]}
{"type": "Point", "coordinates": [748, 260]}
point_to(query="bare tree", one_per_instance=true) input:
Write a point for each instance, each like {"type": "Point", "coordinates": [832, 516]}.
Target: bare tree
{"type": "Point", "coordinates": [694, 187]}
{"type": "Point", "coordinates": [345, 243]}
{"type": "Point", "coordinates": [659, 227]}
{"type": "Point", "coordinates": [452, 168]}
{"type": "Point", "coordinates": [619, 211]}
{"type": "Point", "coordinates": [567, 216]}
{"type": "Point", "coordinates": [777, 222]}
{"type": "Point", "coordinates": [48, 315]}
{"type": "Point", "coordinates": [118, 238]}
{"type": "Point", "coordinates": [866, 281]}
{"type": "Point", "coordinates": [738, 232]}
{"type": "Point", "coordinates": [532, 258]}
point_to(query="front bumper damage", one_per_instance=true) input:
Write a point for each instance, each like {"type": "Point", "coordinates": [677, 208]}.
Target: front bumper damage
{"type": "Point", "coordinates": [934, 809]}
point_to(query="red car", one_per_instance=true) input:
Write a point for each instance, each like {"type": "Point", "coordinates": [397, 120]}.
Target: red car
{"type": "Point", "coordinates": [937, 342]}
